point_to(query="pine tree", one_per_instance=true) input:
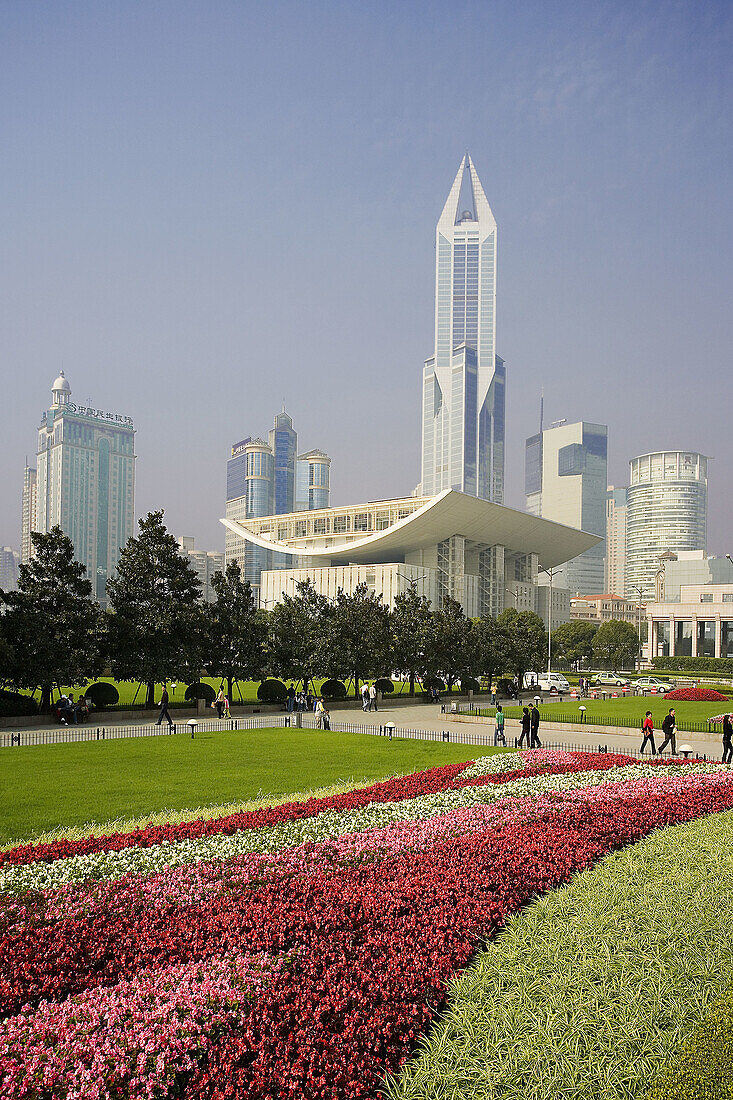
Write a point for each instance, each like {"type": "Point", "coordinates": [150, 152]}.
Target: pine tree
{"type": "Point", "coordinates": [53, 624]}
{"type": "Point", "coordinates": [236, 630]}
{"type": "Point", "coordinates": [156, 622]}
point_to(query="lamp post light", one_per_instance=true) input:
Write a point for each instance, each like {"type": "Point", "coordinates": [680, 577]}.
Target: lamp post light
{"type": "Point", "coordinates": [550, 573]}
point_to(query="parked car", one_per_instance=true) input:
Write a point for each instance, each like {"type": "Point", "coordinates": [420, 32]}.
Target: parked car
{"type": "Point", "coordinates": [646, 683]}
{"type": "Point", "coordinates": [543, 681]}
{"type": "Point", "coordinates": [609, 679]}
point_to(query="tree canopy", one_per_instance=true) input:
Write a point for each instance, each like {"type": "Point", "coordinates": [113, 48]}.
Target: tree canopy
{"type": "Point", "coordinates": [573, 641]}
{"type": "Point", "coordinates": [527, 641]}
{"type": "Point", "coordinates": [236, 630]}
{"type": "Point", "coordinates": [616, 642]}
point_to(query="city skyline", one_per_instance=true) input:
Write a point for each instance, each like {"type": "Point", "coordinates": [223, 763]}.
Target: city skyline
{"type": "Point", "coordinates": [169, 280]}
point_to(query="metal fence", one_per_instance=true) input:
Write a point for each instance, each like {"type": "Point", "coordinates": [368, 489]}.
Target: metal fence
{"type": "Point", "coordinates": [389, 730]}
{"type": "Point", "coordinates": [577, 718]}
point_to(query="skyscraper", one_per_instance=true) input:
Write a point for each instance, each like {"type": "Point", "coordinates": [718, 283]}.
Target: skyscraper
{"type": "Point", "coordinates": [312, 481]}
{"type": "Point", "coordinates": [464, 381]}
{"type": "Point", "coordinates": [28, 522]}
{"type": "Point", "coordinates": [86, 481]}
{"type": "Point", "coordinates": [565, 480]}
{"type": "Point", "coordinates": [615, 563]}
{"type": "Point", "coordinates": [284, 446]}
{"type": "Point", "coordinates": [667, 510]}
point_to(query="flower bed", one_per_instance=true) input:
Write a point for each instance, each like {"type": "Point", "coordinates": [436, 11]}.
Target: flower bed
{"type": "Point", "coordinates": [325, 933]}
{"type": "Point", "coordinates": [696, 695]}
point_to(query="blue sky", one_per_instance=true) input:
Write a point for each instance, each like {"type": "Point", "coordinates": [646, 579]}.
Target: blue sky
{"type": "Point", "coordinates": [207, 208]}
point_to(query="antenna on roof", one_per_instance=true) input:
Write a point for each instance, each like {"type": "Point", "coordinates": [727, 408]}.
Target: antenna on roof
{"type": "Point", "coordinates": [542, 408]}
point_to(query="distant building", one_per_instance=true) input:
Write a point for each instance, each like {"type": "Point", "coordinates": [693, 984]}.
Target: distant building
{"type": "Point", "coordinates": [475, 551]}
{"type": "Point", "coordinates": [565, 481]}
{"type": "Point", "coordinates": [464, 380]}
{"type": "Point", "coordinates": [666, 511]}
{"type": "Point", "coordinates": [28, 521]}
{"type": "Point", "coordinates": [599, 609]}
{"type": "Point", "coordinates": [690, 567]}
{"type": "Point", "coordinates": [9, 562]}
{"type": "Point", "coordinates": [699, 624]}
{"type": "Point", "coordinates": [86, 482]}
{"type": "Point", "coordinates": [615, 560]}
{"type": "Point", "coordinates": [205, 562]}
{"type": "Point", "coordinates": [271, 478]}
{"type": "Point", "coordinates": [560, 604]}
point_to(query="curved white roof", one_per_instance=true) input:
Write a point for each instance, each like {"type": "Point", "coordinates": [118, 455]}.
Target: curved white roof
{"type": "Point", "coordinates": [450, 513]}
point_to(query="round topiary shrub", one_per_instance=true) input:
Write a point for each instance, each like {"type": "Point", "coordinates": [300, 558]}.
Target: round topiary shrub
{"type": "Point", "coordinates": [15, 705]}
{"type": "Point", "coordinates": [200, 691]}
{"type": "Point", "coordinates": [505, 686]}
{"type": "Point", "coordinates": [430, 682]}
{"type": "Point", "coordinates": [696, 695]}
{"type": "Point", "coordinates": [470, 684]}
{"type": "Point", "coordinates": [272, 691]}
{"type": "Point", "coordinates": [333, 689]}
{"type": "Point", "coordinates": [385, 686]}
{"type": "Point", "coordinates": [102, 694]}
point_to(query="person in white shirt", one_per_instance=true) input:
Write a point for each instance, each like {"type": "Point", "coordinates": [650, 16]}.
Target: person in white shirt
{"type": "Point", "coordinates": [373, 697]}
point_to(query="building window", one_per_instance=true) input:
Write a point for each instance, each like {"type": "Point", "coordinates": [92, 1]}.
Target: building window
{"type": "Point", "coordinates": [319, 526]}
{"type": "Point", "coordinates": [361, 521]}
{"type": "Point", "coordinates": [706, 638]}
{"type": "Point", "coordinates": [726, 638]}
{"type": "Point", "coordinates": [728, 597]}
{"type": "Point", "coordinates": [340, 524]}
{"type": "Point", "coordinates": [706, 597]}
{"type": "Point", "coordinates": [300, 529]}
{"type": "Point", "coordinates": [683, 638]}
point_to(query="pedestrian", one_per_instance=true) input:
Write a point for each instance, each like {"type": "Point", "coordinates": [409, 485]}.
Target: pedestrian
{"type": "Point", "coordinates": [499, 738]}
{"type": "Point", "coordinates": [647, 729]}
{"type": "Point", "coordinates": [309, 701]}
{"type": "Point", "coordinates": [669, 729]}
{"type": "Point", "coordinates": [534, 725]}
{"type": "Point", "coordinates": [373, 696]}
{"type": "Point", "coordinates": [525, 726]}
{"type": "Point", "coordinates": [493, 693]}
{"type": "Point", "coordinates": [163, 712]}
{"type": "Point", "coordinates": [320, 713]}
{"type": "Point", "coordinates": [326, 717]}
{"type": "Point", "coordinates": [727, 739]}
{"type": "Point", "coordinates": [219, 703]}
{"type": "Point", "coordinates": [290, 702]}
{"type": "Point", "coordinates": [227, 712]}
{"type": "Point", "coordinates": [365, 697]}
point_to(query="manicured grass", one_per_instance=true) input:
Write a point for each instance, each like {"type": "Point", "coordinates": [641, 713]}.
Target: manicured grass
{"type": "Point", "coordinates": [48, 786]}
{"type": "Point", "coordinates": [590, 990]}
{"type": "Point", "coordinates": [629, 711]}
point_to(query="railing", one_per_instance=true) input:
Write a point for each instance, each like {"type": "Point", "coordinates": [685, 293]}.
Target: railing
{"type": "Point", "coordinates": [627, 721]}
{"type": "Point", "coordinates": [390, 730]}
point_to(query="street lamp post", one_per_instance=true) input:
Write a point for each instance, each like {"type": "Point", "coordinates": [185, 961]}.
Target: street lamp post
{"type": "Point", "coordinates": [550, 573]}
{"type": "Point", "coordinates": [637, 588]}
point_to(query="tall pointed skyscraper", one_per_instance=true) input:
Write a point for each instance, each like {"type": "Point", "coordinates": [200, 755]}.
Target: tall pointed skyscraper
{"type": "Point", "coordinates": [464, 381]}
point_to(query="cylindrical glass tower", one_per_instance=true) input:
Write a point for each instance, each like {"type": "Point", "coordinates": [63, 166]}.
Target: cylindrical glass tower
{"type": "Point", "coordinates": [667, 510]}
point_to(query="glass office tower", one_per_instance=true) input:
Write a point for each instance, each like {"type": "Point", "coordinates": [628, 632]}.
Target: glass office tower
{"type": "Point", "coordinates": [284, 446]}
{"type": "Point", "coordinates": [464, 381]}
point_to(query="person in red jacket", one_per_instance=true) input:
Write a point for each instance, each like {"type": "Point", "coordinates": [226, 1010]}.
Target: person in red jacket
{"type": "Point", "coordinates": [647, 728]}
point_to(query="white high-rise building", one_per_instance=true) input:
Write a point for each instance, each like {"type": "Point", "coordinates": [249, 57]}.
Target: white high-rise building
{"type": "Point", "coordinates": [205, 562]}
{"type": "Point", "coordinates": [615, 561]}
{"type": "Point", "coordinates": [86, 482]}
{"type": "Point", "coordinates": [565, 480]}
{"type": "Point", "coordinates": [667, 510]}
{"type": "Point", "coordinates": [464, 381]}
{"type": "Point", "coordinates": [28, 522]}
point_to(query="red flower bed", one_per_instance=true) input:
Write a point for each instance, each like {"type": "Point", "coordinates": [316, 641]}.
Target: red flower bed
{"type": "Point", "coordinates": [696, 695]}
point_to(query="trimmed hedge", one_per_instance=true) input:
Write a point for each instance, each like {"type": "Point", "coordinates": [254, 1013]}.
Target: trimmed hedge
{"type": "Point", "coordinates": [333, 689]}
{"type": "Point", "coordinates": [15, 705]}
{"type": "Point", "coordinates": [384, 685]}
{"type": "Point", "coordinates": [200, 691]}
{"type": "Point", "coordinates": [103, 694]}
{"type": "Point", "coordinates": [702, 1069]}
{"type": "Point", "coordinates": [470, 684]}
{"type": "Point", "coordinates": [272, 691]}
{"type": "Point", "coordinates": [723, 666]}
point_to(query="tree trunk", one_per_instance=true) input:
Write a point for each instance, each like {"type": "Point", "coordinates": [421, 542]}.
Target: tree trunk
{"type": "Point", "coordinates": [412, 683]}
{"type": "Point", "coordinates": [150, 697]}
{"type": "Point", "coordinates": [230, 689]}
{"type": "Point", "coordinates": [45, 704]}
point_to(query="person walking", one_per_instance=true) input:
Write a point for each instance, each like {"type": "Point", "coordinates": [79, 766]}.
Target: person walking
{"type": "Point", "coordinates": [290, 702]}
{"type": "Point", "coordinates": [365, 697]}
{"type": "Point", "coordinates": [727, 739]}
{"type": "Point", "coordinates": [320, 713]}
{"type": "Point", "coordinates": [219, 703]}
{"type": "Point", "coordinates": [499, 738]}
{"type": "Point", "coordinates": [526, 719]}
{"type": "Point", "coordinates": [669, 729]}
{"type": "Point", "coordinates": [227, 712]}
{"type": "Point", "coordinates": [163, 712]}
{"type": "Point", "coordinates": [534, 725]}
{"type": "Point", "coordinates": [373, 696]}
{"type": "Point", "coordinates": [647, 729]}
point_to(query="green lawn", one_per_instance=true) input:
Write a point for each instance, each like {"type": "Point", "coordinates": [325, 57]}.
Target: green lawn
{"type": "Point", "coordinates": [626, 712]}
{"type": "Point", "coordinates": [51, 786]}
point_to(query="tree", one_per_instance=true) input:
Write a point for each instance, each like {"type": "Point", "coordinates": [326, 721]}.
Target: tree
{"type": "Point", "coordinates": [573, 641]}
{"type": "Point", "coordinates": [448, 653]}
{"type": "Point", "coordinates": [527, 641]}
{"type": "Point", "coordinates": [53, 623]}
{"type": "Point", "coordinates": [155, 624]}
{"type": "Point", "coordinates": [358, 636]}
{"type": "Point", "coordinates": [410, 621]}
{"type": "Point", "coordinates": [491, 647]}
{"type": "Point", "coordinates": [296, 632]}
{"type": "Point", "coordinates": [236, 630]}
{"type": "Point", "coordinates": [616, 642]}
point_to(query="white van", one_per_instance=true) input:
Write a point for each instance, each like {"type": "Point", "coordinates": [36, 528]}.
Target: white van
{"type": "Point", "coordinates": [544, 681]}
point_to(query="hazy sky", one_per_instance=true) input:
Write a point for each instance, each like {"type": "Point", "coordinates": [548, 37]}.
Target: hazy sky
{"type": "Point", "coordinates": [209, 207]}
